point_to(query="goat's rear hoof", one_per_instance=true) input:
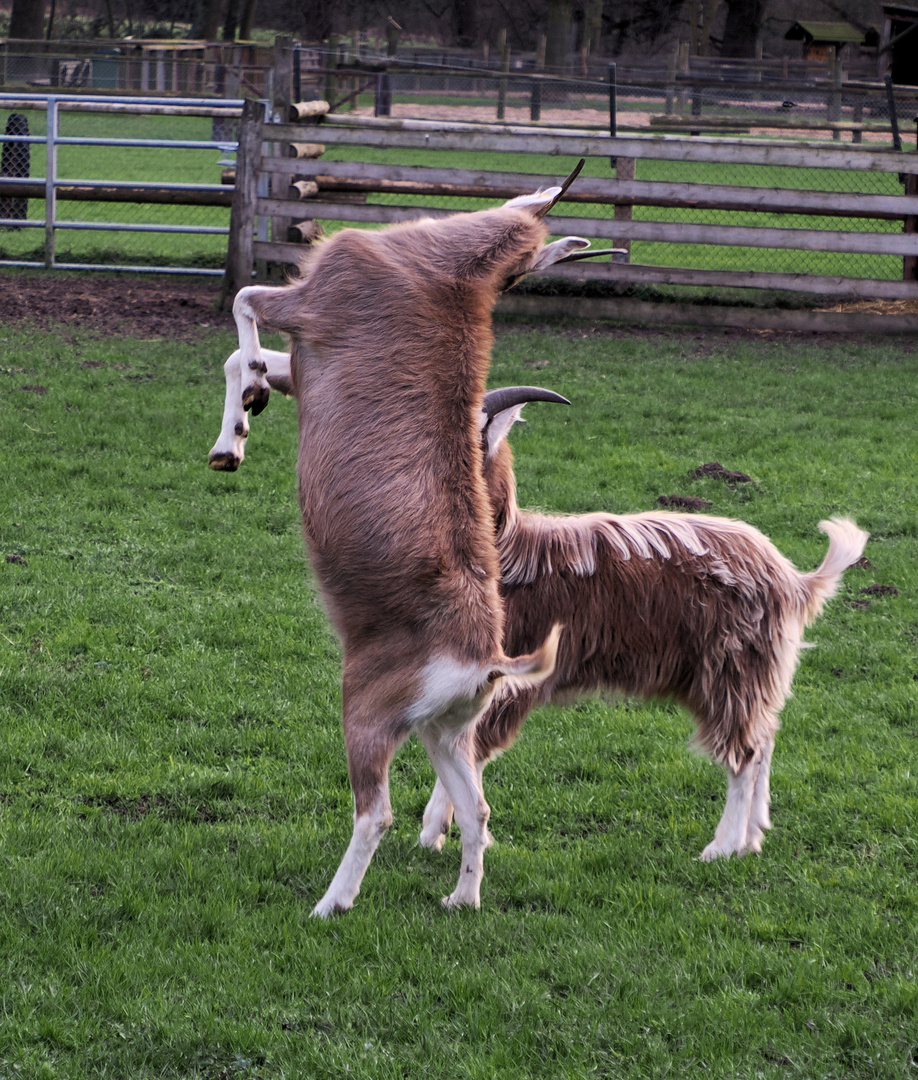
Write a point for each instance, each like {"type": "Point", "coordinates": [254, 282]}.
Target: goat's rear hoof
{"type": "Point", "coordinates": [460, 900]}
{"type": "Point", "coordinates": [224, 462]}
{"type": "Point", "coordinates": [255, 398]}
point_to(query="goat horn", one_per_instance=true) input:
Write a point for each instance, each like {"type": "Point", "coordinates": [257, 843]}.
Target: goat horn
{"type": "Point", "coordinates": [564, 186]}
{"type": "Point", "coordinates": [575, 256]}
{"type": "Point", "coordinates": [506, 397]}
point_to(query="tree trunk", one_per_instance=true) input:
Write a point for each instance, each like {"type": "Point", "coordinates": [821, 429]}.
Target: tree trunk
{"type": "Point", "coordinates": [558, 33]}
{"type": "Point", "coordinates": [248, 19]}
{"type": "Point", "coordinates": [465, 23]}
{"type": "Point", "coordinates": [207, 20]}
{"type": "Point", "coordinates": [27, 19]}
{"type": "Point", "coordinates": [745, 19]}
{"type": "Point", "coordinates": [231, 21]}
{"type": "Point", "coordinates": [592, 30]}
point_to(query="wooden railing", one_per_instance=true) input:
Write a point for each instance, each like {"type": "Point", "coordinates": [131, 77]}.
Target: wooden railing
{"type": "Point", "coordinates": [336, 191]}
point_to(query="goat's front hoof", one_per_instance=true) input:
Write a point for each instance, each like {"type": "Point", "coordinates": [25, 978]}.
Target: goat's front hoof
{"type": "Point", "coordinates": [224, 462]}
{"type": "Point", "coordinates": [327, 907]}
{"type": "Point", "coordinates": [255, 398]}
{"type": "Point", "coordinates": [433, 837]}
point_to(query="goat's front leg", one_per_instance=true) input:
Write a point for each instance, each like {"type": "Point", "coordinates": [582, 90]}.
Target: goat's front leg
{"type": "Point", "coordinates": [254, 372]}
{"type": "Point", "coordinates": [229, 450]}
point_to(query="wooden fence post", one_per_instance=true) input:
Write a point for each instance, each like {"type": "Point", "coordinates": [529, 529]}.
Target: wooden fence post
{"type": "Point", "coordinates": [240, 251]}
{"type": "Point", "coordinates": [910, 262]}
{"type": "Point", "coordinates": [504, 69]}
{"type": "Point", "coordinates": [535, 104]}
{"type": "Point", "coordinates": [624, 170]}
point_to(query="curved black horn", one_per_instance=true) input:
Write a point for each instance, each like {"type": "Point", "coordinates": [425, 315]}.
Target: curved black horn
{"type": "Point", "coordinates": [564, 186]}
{"type": "Point", "coordinates": [506, 397]}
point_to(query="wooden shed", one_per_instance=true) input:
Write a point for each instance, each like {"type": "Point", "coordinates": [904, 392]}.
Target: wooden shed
{"type": "Point", "coordinates": [820, 37]}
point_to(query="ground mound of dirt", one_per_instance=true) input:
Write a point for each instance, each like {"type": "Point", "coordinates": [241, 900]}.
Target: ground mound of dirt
{"type": "Point", "coordinates": [158, 306]}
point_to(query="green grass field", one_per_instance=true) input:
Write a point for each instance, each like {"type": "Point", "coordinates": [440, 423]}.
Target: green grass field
{"type": "Point", "coordinates": [173, 789]}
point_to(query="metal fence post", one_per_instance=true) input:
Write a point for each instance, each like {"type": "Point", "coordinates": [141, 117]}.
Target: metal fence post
{"type": "Point", "coordinates": [50, 180]}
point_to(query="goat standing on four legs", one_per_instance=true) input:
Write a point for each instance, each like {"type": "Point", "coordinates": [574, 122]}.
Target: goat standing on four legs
{"type": "Point", "coordinates": [391, 339]}
{"type": "Point", "coordinates": [703, 609]}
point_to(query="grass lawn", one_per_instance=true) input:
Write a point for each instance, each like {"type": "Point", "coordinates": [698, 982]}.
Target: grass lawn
{"type": "Point", "coordinates": [173, 789]}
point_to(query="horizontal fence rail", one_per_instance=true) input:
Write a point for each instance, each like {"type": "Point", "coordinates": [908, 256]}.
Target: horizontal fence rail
{"type": "Point", "coordinates": [621, 210]}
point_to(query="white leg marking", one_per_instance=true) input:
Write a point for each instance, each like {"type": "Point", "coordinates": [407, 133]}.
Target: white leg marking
{"type": "Point", "coordinates": [229, 449]}
{"type": "Point", "coordinates": [451, 758]}
{"type": "Point", "coordinates": [759, 815]}
{"type": "Point", "coordinates": [369, 829]}
{"type": "Point", "coordinates": [730, 835]}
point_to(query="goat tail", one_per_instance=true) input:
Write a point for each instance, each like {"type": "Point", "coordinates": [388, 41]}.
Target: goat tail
{"type": "Point", "coordinates": [846, 545]}
{"type": "Point", "coordinates": [530, 670]}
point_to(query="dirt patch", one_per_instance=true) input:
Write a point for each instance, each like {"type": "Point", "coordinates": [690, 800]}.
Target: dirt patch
{"type": "Point", "coordinates": [683, 502]}
{"type": "Point", "coordinates": [715, 470]}
{"type": "Point", "coordinates": [880, 590]}
{"type": "Point", "coordinates": [181, 309]}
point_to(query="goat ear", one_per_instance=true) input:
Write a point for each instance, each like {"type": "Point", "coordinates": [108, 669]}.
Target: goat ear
{"type": "Point", "coordinates": [558, 251]}
{"type": "Point", "coordinates": [497, 427]}
{"type": "Point", "coordinates": [539, 202]}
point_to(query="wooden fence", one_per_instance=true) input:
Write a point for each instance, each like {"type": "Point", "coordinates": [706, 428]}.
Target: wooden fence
{"type": "Point", "coordinates": [337, 191]}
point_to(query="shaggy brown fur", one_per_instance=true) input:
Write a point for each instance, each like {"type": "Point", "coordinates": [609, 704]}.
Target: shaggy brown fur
{"type": "Point", "coordinates": [703, 609]}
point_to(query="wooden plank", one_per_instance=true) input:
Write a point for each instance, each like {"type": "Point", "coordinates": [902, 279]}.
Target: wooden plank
{"type": "Point", "coordinates": [274, 251]}
{"type": "Point", "coordinates": [645, 313]}
{"type": "Point", "coordinates": [634, 273]}
{"type": "Point", "coordinates": [421, 134]}
{"type": "Point", "coordinates": [349, 177]}
{"type": "Point", "coordinates": [671, 232]}
{"type": "Point", "coordinates": [470, 183]}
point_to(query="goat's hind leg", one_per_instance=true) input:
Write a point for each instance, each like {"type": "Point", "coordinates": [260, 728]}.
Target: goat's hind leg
{"type": "Point", "coordinates": [451, 756]}
{"type": "Point", "coordinates": [760, 812]}
{"type": "Point", "coordinates": [494, 733]}
{"type": "Point", "coordinates": [746, 816]}
{"type": "Point", "coordinates": [371, 744]}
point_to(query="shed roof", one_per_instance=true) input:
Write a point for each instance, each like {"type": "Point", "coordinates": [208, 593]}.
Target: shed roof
{"type": "Point", "coordinates": [825, 33]}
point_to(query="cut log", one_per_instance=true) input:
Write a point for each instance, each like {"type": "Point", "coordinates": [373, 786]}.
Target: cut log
{"type": "Point", "coordinates": [305, 232]}
{"type": "Point", "coordinates": [308, 110]}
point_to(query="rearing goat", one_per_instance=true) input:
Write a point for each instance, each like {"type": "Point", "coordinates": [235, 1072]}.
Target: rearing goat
{"type": "Point", "coordinates": [703, 609]}
{"type": "Point", "coordinates": [391, 339]}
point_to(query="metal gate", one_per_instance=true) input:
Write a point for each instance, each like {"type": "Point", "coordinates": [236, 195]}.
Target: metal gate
{"type": "Point", "coordinates": [132, 179]}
